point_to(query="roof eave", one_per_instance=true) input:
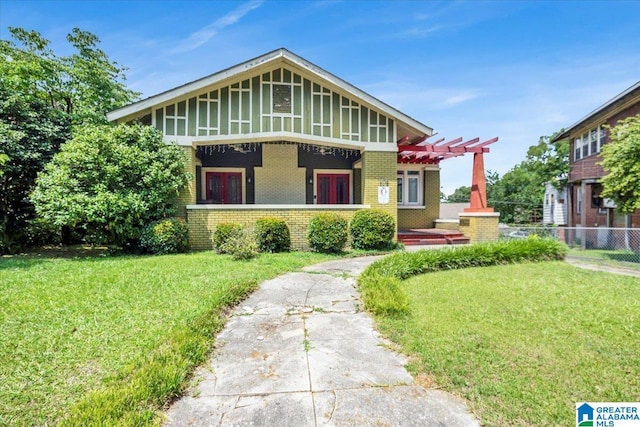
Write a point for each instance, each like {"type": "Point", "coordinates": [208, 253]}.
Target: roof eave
{"type": "Point", "coordinates": [594, 113]}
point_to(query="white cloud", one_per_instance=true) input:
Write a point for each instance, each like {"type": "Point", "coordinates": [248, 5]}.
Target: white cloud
{"type": "Point", "coordinates": [202, 36]}
{"type": "Point", "coordinates": [422, 32]}
{"type": "Point", "coordinates": [460, 97]}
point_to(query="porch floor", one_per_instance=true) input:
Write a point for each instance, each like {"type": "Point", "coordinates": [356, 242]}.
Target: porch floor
{"type": "Point", "coordinates": [431, 236]}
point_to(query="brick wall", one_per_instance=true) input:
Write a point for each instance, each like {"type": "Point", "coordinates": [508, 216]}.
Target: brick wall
{"type": "Point", "coordinates": [423, 218]}
{"type": "Point", "coordinates": [202, 222]}
{"type": "Point", "coordinates": [380, 166]}
{"type": "Point", "coordinates": [480, 227]}
{"type": "Point", "coordinates": [586, 168]}
{"type": "Point", "coordinates": [279, 179]}
{"type": "Point", "coordinates": [187, 195]}
{"type": "Point", "coordinates": [447, 224]}
{"type": "Point", "coordinates": [414, 218]}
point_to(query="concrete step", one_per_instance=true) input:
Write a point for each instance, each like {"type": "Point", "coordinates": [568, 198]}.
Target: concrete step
{"type": "Point", "coordinates": [457, 240]}
{"type": "Point", "coordinates": [431, 241]}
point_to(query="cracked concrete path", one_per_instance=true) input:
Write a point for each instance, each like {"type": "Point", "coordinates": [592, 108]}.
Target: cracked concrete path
{"type": "Point", "coordinates": [300, 352]}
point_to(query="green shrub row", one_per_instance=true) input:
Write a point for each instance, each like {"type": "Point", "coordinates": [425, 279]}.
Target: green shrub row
{"type": "Point", "coordinates": [380, 284]}
{"type": "Point", "coordinates": [273, 235]}
{"type": "Point", "coordinates": [370, 229]}
{"type": "Point", "coordinates": [223, 233]}
{"type": "Point", "coordinates": [328, 233]}
{"type": "Point", "coordinates": [270, 235]}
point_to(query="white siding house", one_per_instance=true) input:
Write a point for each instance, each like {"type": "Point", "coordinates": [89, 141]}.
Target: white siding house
{"type": "Point", "coordinates": [555, 205]}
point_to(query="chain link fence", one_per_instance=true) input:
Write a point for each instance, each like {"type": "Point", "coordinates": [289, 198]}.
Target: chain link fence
{"type": "Point", "coordinates": [615, 246]}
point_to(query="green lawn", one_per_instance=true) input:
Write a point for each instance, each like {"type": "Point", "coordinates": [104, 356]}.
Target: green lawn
{"type": "Point", "coordinates": [612, 258]}
{"type": "Point", "coordinates": [113, 337]}
{"type": "Point", "coordinates": [524, 342]}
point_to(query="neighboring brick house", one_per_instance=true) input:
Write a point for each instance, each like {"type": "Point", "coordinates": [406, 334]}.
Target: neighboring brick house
{"type": "Point", "coordinates": [280, 136]}
{"type": "Point", "coordinates": [586, 207]}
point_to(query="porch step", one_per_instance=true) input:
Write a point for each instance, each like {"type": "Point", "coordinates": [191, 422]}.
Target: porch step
{"type": "Point", "coordinates": [415, 237]}
{"type": "Point", "coordinates": [458, 240]}
{"type": "Point", "coordinates": [415, 242]}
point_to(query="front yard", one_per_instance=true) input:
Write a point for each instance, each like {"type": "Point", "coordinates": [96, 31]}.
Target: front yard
{"type": "Point", "coordinates": [523, 343]}
{"type": "Point", "coordinates": [112, 338]}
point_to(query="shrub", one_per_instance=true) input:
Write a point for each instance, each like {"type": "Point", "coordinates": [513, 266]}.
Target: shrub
{"type": "Point", "coordinates": [372, 229]}
{"type": "Point", "coordinates": [223, 232]}
{"type": "Point", "coordinates": [112, 181]}
{"type": "Point", "coordinates": [328, 233]}
{"type": "Point", "coordinates": [272, 235]}
{"type": "Point", "coordinates": [379, 283]}
{"type": "Point", "coordinates": [241, 245]}
{"type": "Point", "coordinates": [166, 236]}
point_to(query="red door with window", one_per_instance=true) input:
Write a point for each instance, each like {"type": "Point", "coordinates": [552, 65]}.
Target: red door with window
{"type": "Point", "coordinates": [332, 189]}
{"type": "Point", "coordinates": [224, 187]}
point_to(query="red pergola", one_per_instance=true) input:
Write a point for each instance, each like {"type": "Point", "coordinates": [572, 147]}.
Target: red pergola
{"type": "Point", "coordinates": [418, 150]}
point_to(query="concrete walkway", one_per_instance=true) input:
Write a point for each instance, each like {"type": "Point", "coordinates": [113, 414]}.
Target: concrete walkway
{"type": "Point", "coordinates": [300, 352]}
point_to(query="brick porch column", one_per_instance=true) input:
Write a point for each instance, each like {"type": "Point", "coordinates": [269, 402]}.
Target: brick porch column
{"type": "Point", "coordinates": [380, 168]}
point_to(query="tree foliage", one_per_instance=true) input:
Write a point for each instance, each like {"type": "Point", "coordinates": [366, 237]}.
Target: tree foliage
{"type": "Point", "coordinates": [111, 181]}
{"type": "Point", "coordinates": [460, 195]}
{"type": "Point", "coordinates": [3, 159]}
{"type": "Point", "coordinates": [85, 85]}
{"type": "Point", "coordinates": [42, 96]}
{"type": "Point", "coordinates": [518, 194]}
{"type": "Point", "coordinates": [30, 133]}
{"type": "Point", "coordinates": [621, 160]}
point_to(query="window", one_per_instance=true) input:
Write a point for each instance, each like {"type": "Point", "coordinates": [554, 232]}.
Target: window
{"type": "Point", "coordinates": [585, 144]}
{"type": "Point", "coordinates": [596, 198]}
{"type": "Point", "coordinates": [579, 200]}
{"type": "Point", "coordinates": [594, 141]}
{"type": "Point", "coordinates": [281, 98]}
{"type": "Point", "coordinates": [409, 188]}
{"type": "Point", "coordinates": [589, 143]}
{"type": "Point", "coordinates": [602, 138]}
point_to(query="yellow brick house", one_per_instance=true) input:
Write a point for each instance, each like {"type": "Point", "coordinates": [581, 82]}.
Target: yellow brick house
{"type": "Point", "coordinates": [280, 136]}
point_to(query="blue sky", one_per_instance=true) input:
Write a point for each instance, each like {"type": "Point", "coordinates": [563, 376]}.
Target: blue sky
{"type": "Point", "coordinates": [513, 69]}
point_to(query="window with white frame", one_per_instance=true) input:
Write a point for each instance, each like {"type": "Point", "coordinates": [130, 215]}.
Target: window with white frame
{"type": "Point", "coordinates": [577, 145]}
{"type": "Point", "coordinates": [579, 200]}
{"type": "Point", "coordinates": [589, 143]}
{"type": "Point", "coordinates": [410, 188]}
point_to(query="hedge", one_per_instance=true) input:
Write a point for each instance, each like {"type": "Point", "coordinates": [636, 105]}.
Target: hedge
{"type": "Point", "coordinates": [380, 282]}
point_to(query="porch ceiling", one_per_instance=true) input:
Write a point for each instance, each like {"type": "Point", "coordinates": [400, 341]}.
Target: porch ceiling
{"type": "Point", "coordinates": [419, 150]}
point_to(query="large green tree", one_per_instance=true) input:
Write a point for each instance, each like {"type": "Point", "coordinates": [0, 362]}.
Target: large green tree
{"type": "Point", "coordinates": [42, 97]}
{"type": "Point", "coordinates": [111, 181]}
{"type": "Point", "coordinates": [621, 160]}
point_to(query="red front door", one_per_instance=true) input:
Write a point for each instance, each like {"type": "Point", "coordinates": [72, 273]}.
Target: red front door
{"type": "Point", "coordinates": [332, 189]}
{"type": "Point", "coordinates": [224, 187]}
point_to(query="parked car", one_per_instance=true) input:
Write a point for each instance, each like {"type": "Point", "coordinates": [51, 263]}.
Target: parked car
{"type": "Point", "coordinates": [519, 234]}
